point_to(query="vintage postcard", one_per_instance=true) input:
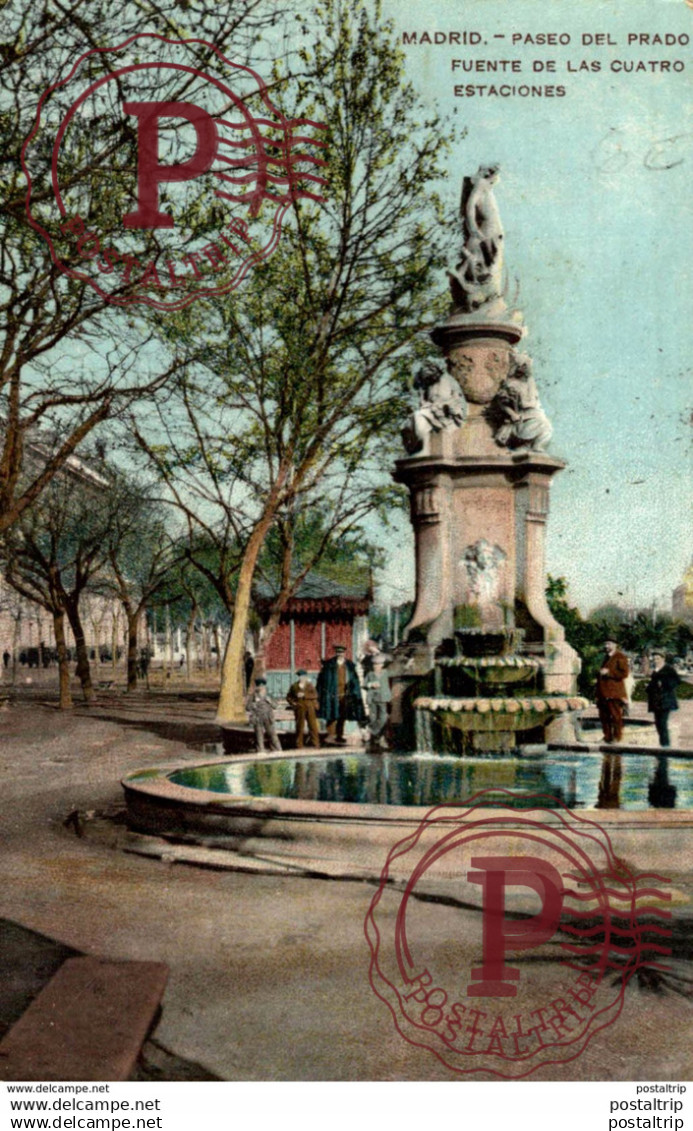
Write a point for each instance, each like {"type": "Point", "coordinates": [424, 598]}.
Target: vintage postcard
{"type": "Point", "coordinates": [346, 597]}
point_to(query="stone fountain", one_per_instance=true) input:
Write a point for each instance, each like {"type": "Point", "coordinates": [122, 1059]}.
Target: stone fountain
{"type": "Point", "coordinates": [483, 665]}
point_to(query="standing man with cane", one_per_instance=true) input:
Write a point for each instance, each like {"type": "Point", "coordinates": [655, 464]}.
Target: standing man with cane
{"type": "Point", "coordinates": [611, 691]}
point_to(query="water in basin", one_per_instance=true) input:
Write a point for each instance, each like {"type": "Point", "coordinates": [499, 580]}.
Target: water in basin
{"type": "Point", "coordinates": [590, 781]}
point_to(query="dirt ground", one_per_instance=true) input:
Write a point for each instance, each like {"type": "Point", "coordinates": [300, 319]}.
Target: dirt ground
{"type": "Point", "coordinates": [269, 975]}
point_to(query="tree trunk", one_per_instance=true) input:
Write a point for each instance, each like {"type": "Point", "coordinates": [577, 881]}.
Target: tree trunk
{"type": "Point", "coordinates": [205, 647]}
{"type": "Point", "coordinates": [65, 701]}
{"type": "Point", "coordinates": [169, 643]}
{"type": "Point", "coordinates": [114, 640]}
{"type": "Point", "coordinates": [133, 625]}
{"type": "Point", "coordinates": [231, 707]}
{"type": "Point", "coordinates": [83, 668]}
{"type": "Point", "coordinates": [15, 644]}
{"type": "Point", "coordinates": [189, 634]}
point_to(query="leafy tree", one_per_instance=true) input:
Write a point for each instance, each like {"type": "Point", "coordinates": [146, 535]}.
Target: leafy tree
{"type": "Point", "coordinates": [567, 615]}
{"type": "Point", "coordinates": [349, 556]}
{"type": "Point", "coordinates": [608, 619]}
{"type": "Point", "coordinates": [387, 622]}
{"type": "Point", "coordinates": [647, 630]}
{"type": "Point", "coordinates": [295, 548]}
{"type": "Point", "coordinates": [683, 638]}
{"type": "Point", "coordinates": [191, 600]}
{"type": "Point", "coordinates": [637, 632]}
{"type": "Point", "coordinates": [68, 360]}
{"type": "Point", "coordinates": [585, 636]}
{"type": "Point", "coordinates": [297, 393]}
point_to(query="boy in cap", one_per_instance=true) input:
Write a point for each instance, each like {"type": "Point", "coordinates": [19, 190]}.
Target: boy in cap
{"type": "Point", "coordinates": [260, 710]}
{"type": "Point", "coordinates": [611, 691]}
{"type": "Point", "coordinates": [302, 697]}
{"type": "Point", "coordinates": [661, 695]}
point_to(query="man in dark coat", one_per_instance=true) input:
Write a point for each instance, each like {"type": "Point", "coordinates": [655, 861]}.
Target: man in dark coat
{"type": "Point", "coordinates": [611, 691]}
{"type": "Point", "coordinates": [661, 694]}
{"type": "Point", "coordinates": [339, 691]}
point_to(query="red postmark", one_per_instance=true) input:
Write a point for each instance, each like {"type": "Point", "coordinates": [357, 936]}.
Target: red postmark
{"type": "Point", "coordinates": [160, 171]}
{"type": "Point", "coordinates": [512, 934]}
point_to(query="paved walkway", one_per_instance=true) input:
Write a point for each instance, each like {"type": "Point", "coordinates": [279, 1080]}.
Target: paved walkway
{"type": "Point", "coordinates": [269, 974]}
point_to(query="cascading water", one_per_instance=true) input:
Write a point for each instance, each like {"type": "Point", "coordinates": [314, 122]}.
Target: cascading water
{"type": "Point", "coordinates": [423, 723]}
{"type": "Point", "coordinates": [487, 696]}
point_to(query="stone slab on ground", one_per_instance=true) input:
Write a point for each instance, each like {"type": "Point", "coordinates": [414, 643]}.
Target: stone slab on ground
{"type": "Point", "coordinates": [88, 1023]}
{"type": "Point", "coordinates": [29, 960]}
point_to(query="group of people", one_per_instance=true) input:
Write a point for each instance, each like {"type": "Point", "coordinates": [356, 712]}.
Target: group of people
{"type": "Point", "coordinates": [612, 695]}
{"type": "Point", "coordinates": [336, 697]}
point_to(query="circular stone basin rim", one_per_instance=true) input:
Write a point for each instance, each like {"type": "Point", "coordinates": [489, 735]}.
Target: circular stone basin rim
{"type": "Point", "coordinates": [154, 784]}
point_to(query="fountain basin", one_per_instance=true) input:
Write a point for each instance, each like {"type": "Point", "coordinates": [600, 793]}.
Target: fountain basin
{"type": "Point", "coordinates": [494, 669]}
{"type": "Point", "coordinates": [491, 724]}
{"type": "Point", "coordinates": [513, 709]}
{"type": "Point", "coordinates": [352, 801]}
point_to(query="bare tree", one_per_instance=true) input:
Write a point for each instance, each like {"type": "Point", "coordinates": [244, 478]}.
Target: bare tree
{"type": "Point", "coordinates": [56, 550]}
{"type": "Point", "coordinates": [141, 558]}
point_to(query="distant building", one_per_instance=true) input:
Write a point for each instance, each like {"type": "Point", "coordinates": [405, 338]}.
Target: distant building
{"type": "Point", "coordinates": [27, 633]}
{"type": "Point", "coordinates": [322, 613]}
{"type": "Point", "coordinates": [682, 598]}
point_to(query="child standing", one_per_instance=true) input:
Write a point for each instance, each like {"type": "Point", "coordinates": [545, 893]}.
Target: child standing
{"type": "Point", "coordinates": [260, 710]}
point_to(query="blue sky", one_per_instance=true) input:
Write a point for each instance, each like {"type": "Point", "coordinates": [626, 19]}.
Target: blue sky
{"type": "Point", "coordinates": [597, 205]}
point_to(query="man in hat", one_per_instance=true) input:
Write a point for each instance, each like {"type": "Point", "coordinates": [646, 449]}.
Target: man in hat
{"type": "Point", "coordinates": [302, 697]}
{"type": "Point", "coordinates": [611, 691]}
{"type": "Point", "coordinates": [260, 710]}
{"type": "Point", "coordinates": [371, 649]}
{"type": "Point", "coordinates": [661, 694]}
{"type": "Point", "coordinates": [339, 692]}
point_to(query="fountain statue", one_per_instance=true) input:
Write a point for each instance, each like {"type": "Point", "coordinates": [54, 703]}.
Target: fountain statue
{"type": "Point", "coordinates": [483, 664]}
{"type": "Point", "coordinates": [441, 406]}
{"type": "Point", "coordinates": [478, 280]}
{"type": "Point", "coordinates": [524, 424]}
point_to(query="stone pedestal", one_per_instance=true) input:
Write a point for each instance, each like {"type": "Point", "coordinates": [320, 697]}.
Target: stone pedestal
{"type": "Point", "coordinates": [479, 513]}
{"type": "Point", "coordinates": [478, 477]}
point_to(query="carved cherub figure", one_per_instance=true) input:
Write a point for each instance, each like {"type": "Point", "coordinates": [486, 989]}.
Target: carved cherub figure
{"type": "Point", "coordinates": [441, 406]}
{"type": "Point", "coordinates": [524, 424]}
{"type": "Point", "coordinates": [483, 563]}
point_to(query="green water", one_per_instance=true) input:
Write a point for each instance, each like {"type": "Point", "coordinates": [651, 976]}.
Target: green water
{"type": "Point", "coordinates": [589, 781]}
